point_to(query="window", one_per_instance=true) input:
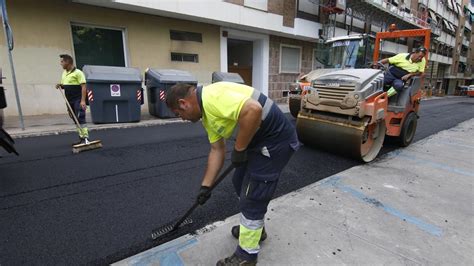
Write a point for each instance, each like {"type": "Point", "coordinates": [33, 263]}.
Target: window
{"type": "Point", "coordinates": [316, 63]}
{"type": "Point", "coordinates": [180, 57]}
{"type": "Point", "coordinates": [290, 59]}
{"type": "Point", "coordinates": [185, 36]}
{"type": "Point", "coordinates": [98, 46]}
{"type": "Point", "coordinates": [257, 4]}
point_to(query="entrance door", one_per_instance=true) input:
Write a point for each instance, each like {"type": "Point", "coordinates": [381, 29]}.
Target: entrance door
{"type": "Point", "coordinates": [240, 58]}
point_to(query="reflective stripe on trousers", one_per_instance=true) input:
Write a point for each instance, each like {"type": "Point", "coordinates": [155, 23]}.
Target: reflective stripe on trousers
{"type": "Point", "coordinates": [250, 233]}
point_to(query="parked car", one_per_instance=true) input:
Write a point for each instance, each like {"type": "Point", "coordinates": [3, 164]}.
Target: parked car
{"type": "Point", "coordinates": [470, 91]}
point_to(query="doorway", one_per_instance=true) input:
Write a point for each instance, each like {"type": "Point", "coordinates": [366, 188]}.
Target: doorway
{"type": "Point", "coordinates": [240, 58]}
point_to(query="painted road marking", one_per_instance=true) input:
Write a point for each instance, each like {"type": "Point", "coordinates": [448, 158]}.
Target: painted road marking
{"type": "Point", "coordinates": [456, 144]}
{"type": "Point", "coordinates": [433, 164]}
{"type": "Point", "coordinates": [166, 254]}
{"type": "Point", "coordinates": [335, 181]}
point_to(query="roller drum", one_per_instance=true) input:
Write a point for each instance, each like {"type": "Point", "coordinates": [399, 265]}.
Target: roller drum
{"type": "Point", "coordinates": [362, 142]}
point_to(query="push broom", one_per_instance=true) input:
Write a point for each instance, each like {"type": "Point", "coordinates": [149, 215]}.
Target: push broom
{"type": "Point", "coordinates": [88, 145]}
{"type": "Point", "coordinates": [184, 220]}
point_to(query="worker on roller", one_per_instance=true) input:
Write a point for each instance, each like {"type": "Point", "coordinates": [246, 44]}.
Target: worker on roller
{"type": "Point", "coordinates": [73, 82]}
{"type": "Point", "coordinates": [403, 66]}
{"type": "Point", "coordinates": [264, 144]}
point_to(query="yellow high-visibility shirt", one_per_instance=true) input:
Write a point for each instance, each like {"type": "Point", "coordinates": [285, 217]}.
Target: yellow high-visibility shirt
{"type": "Point", "coordinates": [73, 77]}
{"type": "Point", "coordinates": [400, 60]}
{"type": "Point", "coordinates": [222, 102]}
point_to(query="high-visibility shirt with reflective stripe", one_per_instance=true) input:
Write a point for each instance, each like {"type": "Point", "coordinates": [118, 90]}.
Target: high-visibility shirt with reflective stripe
{"type": "Point", "coordinates": [401, 61]}
{"type": "Point", "coordinates": [222, 103]}
{"type": "Point", "coordinates": [71, 82]}
{"type": "Point", "coordinates": [73, 77]}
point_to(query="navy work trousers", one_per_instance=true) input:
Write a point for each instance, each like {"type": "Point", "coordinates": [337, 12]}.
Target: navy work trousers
{"type": "Point", "coordinates": [393, 77]}
{"type": "Point", "coordinates": [77, 110]}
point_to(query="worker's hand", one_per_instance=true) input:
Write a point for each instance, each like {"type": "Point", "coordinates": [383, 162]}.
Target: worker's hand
{"type": "Point", "coordinates": [83, 105]}
{"type": "Point", "coordinates": [203, 195]}
{"type": "Point", "coordinates": [406, 77]}
{"type": "Point", "coordinates": [58, 86]}
{"type": "Point", "coordinates": [238, 158]}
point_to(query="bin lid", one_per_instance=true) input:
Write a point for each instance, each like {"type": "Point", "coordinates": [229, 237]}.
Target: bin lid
{"type": "Point", "coordinates": [225, 76]}
{"type": "Point", "coordinates": [107, 74]}
{"type": "Point", "coordinates": [170, 75]}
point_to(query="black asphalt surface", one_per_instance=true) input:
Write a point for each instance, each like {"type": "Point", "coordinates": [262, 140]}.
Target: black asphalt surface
{"type": "Point", "coordinates": [100, 206]}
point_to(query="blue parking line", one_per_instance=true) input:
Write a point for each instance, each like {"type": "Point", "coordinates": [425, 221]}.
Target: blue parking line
{"type": "Point", "coordinates": [456, 144]}
{"type": "Point", "coordinates": [433, 164]}
{"type": "Point", "coordinates": [167, 254]}
{"type": "Point", "coordinates": [335, 181]}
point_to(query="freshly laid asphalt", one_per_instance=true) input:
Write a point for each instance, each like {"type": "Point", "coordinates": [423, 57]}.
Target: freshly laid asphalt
{"type": "Point", "coordinates": [100, 206]}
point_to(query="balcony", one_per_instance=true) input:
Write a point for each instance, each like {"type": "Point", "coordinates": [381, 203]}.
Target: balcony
{"type": "Point", "coordinates": [382, 10]}
{"type": "Point", "coordinates": [462, 59]}
{"type": "Point", "coordinates": [465, 42]}
{"type": "Point", "coordinates": [467, 25]}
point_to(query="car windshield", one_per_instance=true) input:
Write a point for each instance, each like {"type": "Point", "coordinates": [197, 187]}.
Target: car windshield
{"type": "Point", "coordinates": [343, 54]}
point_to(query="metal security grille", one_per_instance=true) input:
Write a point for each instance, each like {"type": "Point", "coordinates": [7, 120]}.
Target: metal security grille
{"type": "Point", "coordinates": [185, 36]}
{"type": "Point", "coordinates": [333, 93]}
{"type": "Point", "coordinates": [180, 57]}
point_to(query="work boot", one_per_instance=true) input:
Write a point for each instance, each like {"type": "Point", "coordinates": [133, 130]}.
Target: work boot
{"type": "Point", "coordinates": [236, 232]}
{"type": "Point", "coordinates": [80, 141]}
{"type": "Point", "coordinates": [234, 260]}
{"type": "Point", "coordinates": [391, 92]}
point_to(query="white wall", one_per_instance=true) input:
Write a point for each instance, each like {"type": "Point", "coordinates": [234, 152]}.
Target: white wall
{"type": "Point", "coordinates": [261, 53]}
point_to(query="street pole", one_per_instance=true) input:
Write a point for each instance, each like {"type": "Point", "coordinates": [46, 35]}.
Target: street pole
{"type": "Point", "coordinates": [9, 40]}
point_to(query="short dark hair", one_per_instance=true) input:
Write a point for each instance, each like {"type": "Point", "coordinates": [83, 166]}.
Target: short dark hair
{"type": "Point", "coordinates": [421, 49]}
{"type": "Point", "coordinates": [177, 92]}
{"type": "Point", "coordinates": [66, 58]}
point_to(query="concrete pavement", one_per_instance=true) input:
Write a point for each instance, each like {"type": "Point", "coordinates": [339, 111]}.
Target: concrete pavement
{"type": "Point", "coordinates": [411, 206]}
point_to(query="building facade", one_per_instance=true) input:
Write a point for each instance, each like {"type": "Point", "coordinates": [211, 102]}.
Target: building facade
{"type": "Point", "coordinates": [268, 42]}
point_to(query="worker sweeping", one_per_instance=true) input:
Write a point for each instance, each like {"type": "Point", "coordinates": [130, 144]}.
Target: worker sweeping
{"type": "Point", "coordinates": [403, 67]}
{"type": "Point", "coordinates": [264, 144]}
{"type": "Point", "coordinates": [73, 82]}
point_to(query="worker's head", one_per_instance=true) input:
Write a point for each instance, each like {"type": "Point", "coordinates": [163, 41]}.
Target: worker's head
{"type": "Point", "coordinates": [66, 61]}
{"type": "Point", "coordinates": [182, 100]}
{"type": "Point", "coordinates": [418, 55]}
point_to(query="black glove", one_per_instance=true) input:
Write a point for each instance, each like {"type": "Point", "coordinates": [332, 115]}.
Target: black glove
{"type": "Point", "coordinates": [203, 195]}
{"type": "Point", "coordinates": [238, 158]}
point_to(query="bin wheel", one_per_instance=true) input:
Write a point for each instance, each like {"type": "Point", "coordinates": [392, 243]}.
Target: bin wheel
{"type": "Point", "coordinates": [295, 106]}
{"type": "Point", "coordinates": [408, 130]}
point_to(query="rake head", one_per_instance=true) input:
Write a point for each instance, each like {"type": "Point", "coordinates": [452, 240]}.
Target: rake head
{"type": "Point", "coordinates": [168, 228]}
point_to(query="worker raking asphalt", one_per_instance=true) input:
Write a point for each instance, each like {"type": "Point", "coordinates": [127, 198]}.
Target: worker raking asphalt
{"type": "Point", "coordinates": [265, 142]}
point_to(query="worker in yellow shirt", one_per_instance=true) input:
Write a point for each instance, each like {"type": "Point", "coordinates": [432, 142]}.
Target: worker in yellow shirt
{"type": "Point", "coordinates": [73, 82]}
{"type": "Point", "coordinates": [264, 144]}
{"type": "Point", "coordinates": [403, 66]}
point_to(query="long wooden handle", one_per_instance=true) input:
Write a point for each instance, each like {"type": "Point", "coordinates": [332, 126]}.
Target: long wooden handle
{"type": "Point", "coordinates": [196, 204]}
{"type": "Point", "coordinates": [70, 109]}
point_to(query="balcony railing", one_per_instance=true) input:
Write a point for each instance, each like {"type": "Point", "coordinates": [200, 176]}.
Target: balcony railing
{"type": "Point", "coordinates": [410, 15]}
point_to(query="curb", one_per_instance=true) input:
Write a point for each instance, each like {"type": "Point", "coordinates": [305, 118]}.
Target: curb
{"type": "Point", "coordinates": [20, 135]}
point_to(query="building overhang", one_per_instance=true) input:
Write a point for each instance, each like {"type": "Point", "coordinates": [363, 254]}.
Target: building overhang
{"type": "Point", "coordinates": [235, 16]}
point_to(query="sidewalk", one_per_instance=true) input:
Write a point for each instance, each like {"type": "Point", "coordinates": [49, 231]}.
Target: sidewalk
{"type": "Point", "coordinates": [411, 206]}
{"type": "Point", "coordinates": [44, 125]}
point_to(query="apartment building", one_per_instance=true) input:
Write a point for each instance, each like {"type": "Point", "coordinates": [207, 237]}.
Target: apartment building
{"type": "Point", "coordinates": [268, 42]}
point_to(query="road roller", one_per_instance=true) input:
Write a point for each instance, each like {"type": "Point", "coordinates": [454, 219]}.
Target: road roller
{"type": "Point", "coordinates": [350, 51]}
{"type": "Point", "coordinates": [347, 111]}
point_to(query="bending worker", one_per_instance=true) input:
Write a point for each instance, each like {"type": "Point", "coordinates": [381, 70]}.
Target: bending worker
{"type": "Point", "coordinates": [264, 144]}
{"type": "Point", "coordinates": [403, 67]}
{"type": "Point", "coordinates": [73, 82]}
